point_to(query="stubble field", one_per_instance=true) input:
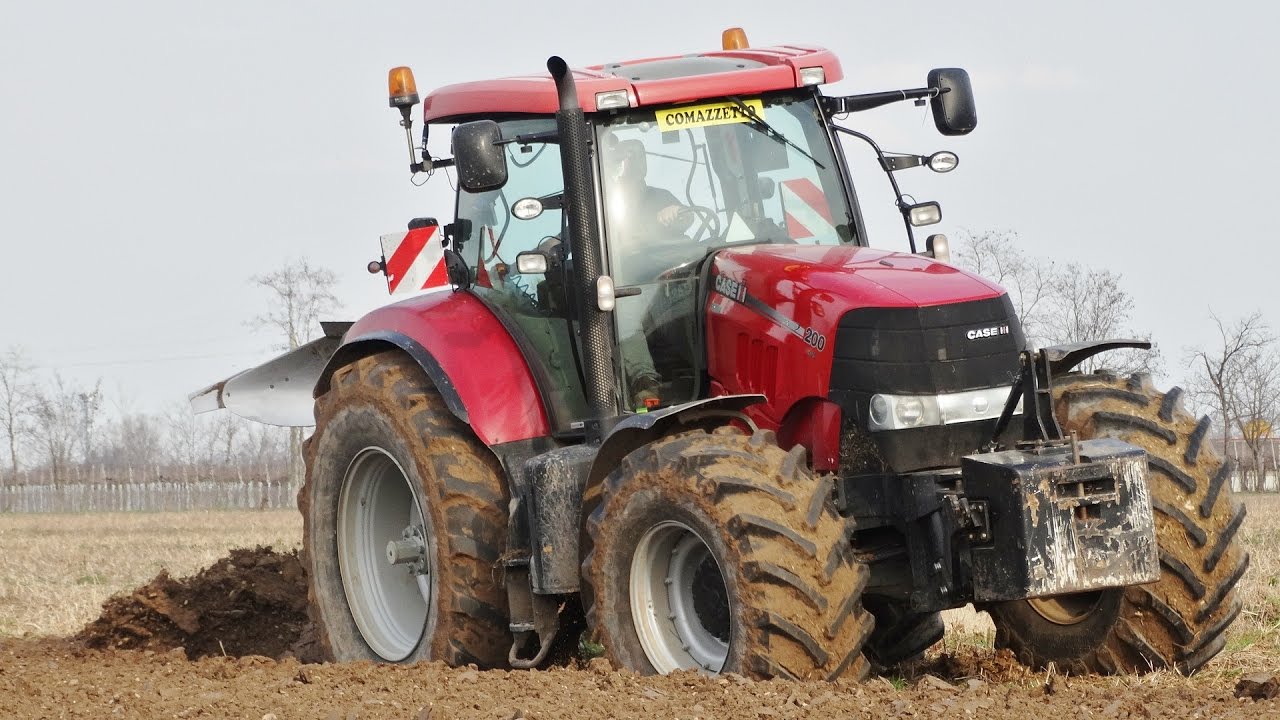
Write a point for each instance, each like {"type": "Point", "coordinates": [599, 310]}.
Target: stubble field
{"type": "Point", "coordinates": [63, 655]}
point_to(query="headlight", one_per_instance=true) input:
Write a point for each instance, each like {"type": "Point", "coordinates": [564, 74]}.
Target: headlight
{"type": "Point", "coordinates": [909, 410]}
{"type": "Point", "coordinates": [898, 412]}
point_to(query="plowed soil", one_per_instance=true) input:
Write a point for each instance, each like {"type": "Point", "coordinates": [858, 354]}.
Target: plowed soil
{"type": "Point", "coordinates": [231, 641]}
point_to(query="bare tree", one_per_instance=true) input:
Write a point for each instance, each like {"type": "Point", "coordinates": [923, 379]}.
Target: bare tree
{"type": "Point", "coordinates": [17, 403]}
{"type": "Point", "coordinates": [64, 418]}
{"type": "Point", "coordinates": [997, 256]}
{"type": "Point", "coordinates": [299, 295]}
{"type": "Point", "coordinates": [1058, 303]}
{"type": "Point", "coordinates": [1257, 402]}
{"type": "Point", "coordinates": [1087, 304]}
{"type": "Point", "coordinates": [1218, 371]}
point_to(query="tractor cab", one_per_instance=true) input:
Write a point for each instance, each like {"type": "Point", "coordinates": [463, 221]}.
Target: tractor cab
{"type": "Point", "coordinates": [674, 184]}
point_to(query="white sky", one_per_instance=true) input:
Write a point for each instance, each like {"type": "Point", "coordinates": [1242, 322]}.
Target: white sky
{"type": "Point", "coordinates": [154, 156]}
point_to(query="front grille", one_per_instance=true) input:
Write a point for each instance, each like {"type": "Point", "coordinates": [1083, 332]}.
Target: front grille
{"type": "Point", "coordinates": [920, 351]}
{"type": "Point", "coordinates": [927, 350]}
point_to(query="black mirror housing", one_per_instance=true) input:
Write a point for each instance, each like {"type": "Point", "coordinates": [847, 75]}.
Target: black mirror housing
{"type": "Point", "coordinates": [954, 111]}
{"type": "Point", "coordinates": [479, 157]}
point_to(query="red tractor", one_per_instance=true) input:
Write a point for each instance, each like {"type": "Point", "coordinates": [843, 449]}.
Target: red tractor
{"type": "Point", "coordinates": [672, 391]}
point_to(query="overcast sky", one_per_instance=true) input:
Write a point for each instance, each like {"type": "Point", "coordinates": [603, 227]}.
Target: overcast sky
{"type": "Point", "coordinates": [155, 156]}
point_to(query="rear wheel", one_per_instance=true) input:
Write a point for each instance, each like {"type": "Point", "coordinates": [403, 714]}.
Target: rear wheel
{"type": "Point", "coordinates": [1179, 621]}
{"type": "Point", "coordinates": [722, 553]}
{"type": "Point", "coordinates": [404, 519]}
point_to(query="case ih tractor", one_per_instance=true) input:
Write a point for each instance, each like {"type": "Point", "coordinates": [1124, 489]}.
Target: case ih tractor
{"type": "Point", "coordinates": [669, 385]}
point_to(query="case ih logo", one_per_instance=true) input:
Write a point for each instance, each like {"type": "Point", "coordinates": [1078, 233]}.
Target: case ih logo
{"type": "Point", "coordinates": [987, 332]}
{"type": "Point", "coordinates": [731, 288]}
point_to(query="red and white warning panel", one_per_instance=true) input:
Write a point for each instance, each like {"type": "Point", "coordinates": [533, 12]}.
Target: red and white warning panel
{"type": "Point", "coordinates": [415, 260]}
{"type": "Point", "coordinates": [807, 211]}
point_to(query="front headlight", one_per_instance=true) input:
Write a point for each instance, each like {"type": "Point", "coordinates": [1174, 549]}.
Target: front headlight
{"type": "Point", "coordinates": [898, 412]}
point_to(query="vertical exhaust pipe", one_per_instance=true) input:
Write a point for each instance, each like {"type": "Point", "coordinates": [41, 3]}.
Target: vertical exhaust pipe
{"type": "Point", "coordinates": [584, 243]}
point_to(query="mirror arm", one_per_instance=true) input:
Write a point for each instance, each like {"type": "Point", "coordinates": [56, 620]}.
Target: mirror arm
{"type": "Point", "coordinates": [867, 101]}
{"type": "Point", "coordinates": [897, 192]}
{"type": "Point", "coordinates": [550, 136]}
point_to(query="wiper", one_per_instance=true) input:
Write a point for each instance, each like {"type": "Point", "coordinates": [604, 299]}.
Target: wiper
{"type": "Point", "coordinates": [760, 124]}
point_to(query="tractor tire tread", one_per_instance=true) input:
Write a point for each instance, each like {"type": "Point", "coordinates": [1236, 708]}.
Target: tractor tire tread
{"type": "Point", "coordinates": [1179, 621]}
{"type": "Point", "coordinates": [469, 487]}
{"type": "Point", "coordinates": [803, 617]}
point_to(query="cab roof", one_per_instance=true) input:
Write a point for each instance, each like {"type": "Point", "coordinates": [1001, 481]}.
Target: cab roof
{"type": "Point", "coordinates": [651, 81]}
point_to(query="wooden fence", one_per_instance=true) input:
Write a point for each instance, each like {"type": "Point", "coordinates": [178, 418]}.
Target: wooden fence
{"type": "Point", "coordinates": [147, 496]}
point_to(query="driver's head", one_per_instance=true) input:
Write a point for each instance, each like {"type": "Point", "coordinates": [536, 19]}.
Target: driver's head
{"type": "Point", "coordinates": [624, 160]}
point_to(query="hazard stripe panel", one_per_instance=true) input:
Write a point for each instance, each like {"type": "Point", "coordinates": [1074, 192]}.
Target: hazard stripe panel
{"type": "Point", "coordinates": [806, 209]}
{"type": "Point", "coordinates": [414, 260]}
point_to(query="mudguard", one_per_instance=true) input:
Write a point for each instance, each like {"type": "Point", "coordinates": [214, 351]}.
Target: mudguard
{"type": "Point", "coordinates": [636, 430]}
{"type": "Point", "coordinates": [465, 351]}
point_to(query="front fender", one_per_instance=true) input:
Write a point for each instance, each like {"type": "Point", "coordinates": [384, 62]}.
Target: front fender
{"type": "Point", "coordinates": [636, 430]}
{"type": "Point", "coordinates": [466, 352]}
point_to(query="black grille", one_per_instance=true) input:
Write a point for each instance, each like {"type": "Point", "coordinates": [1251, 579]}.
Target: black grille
{"type": "Point", "coordinates": [927, 350]}
{"type": "Point", "coordinates": [921, 351]}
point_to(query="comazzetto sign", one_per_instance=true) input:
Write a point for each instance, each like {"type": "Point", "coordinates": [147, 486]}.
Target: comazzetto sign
{"type": "Point", "coordinates": [719, 113]}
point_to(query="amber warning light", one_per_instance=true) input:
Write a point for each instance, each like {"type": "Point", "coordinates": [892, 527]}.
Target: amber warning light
{"type": "Point", "coordinates": [735, 38]}
{"type": "Point", "coordinates": [401, 88]}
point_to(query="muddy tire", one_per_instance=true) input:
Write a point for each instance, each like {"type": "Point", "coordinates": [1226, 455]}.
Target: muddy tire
{"type": "Point", "coordinates": [722, 552]}
{"type": "Point", "coordinates": [1179, 621]}
{"type": "Point", "coordinates": [392, 475]}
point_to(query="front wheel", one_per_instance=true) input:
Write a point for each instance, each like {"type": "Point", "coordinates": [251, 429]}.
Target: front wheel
{"type": "Point", "coordinates": [1179, 621]}
{"type": "Point", "coordinates": [722, 553]}
{"type": "Point", "coordinates": [404, 520]}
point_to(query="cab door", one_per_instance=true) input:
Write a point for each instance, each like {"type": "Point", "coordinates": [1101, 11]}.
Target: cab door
{"type": "Point", "coordinates": [535, 308]}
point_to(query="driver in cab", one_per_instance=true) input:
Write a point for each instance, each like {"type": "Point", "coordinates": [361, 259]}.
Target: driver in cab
{"type": "Point", "coordinates": [642, 222]}
{"type": "Point", "coordinates": [634, 206]}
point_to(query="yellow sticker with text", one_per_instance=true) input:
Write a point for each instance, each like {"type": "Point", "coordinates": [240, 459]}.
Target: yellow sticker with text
{"type": "Point", "coordinates": [720, 113]}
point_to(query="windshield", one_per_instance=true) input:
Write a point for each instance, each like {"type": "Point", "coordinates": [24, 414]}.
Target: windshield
{"type": "Point", "coordinates": [680, 181]}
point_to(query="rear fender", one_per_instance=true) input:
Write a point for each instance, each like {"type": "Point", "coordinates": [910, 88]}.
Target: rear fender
{"type": "Point", "coordinates": [467, 354]}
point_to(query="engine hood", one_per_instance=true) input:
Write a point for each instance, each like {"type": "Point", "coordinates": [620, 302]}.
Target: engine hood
{"type": "Point", "coordinates": [853, 276]}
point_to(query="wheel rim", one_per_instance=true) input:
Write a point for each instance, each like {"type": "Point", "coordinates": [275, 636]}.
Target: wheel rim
{"type": "Point", "coordinates": [1066, 609]}
{"type": "Point", "coordinates": [679, 602]}
{"type": "Point", "coordinates": [384, 555]}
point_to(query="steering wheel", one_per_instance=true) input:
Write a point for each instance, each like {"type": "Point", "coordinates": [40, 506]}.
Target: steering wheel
{"type": "Point", "coordinates": [708, 221]}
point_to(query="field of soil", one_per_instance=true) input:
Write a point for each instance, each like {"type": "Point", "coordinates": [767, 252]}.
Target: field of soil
{"type": "Point", "coordinates": [192, 628]}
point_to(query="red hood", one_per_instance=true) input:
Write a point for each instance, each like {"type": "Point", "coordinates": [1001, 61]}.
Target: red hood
{"type": "Point", "coordinates": [855, 276]}
{"type": "Point", "coordinates": [772, 319]}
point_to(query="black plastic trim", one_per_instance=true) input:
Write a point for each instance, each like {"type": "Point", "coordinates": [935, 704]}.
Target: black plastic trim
{"type": "Point", "coordinates": [366, 345]}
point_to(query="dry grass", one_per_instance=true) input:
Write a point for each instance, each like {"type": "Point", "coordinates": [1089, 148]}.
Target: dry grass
{"type": "Point", "coordinates": [56, 570]}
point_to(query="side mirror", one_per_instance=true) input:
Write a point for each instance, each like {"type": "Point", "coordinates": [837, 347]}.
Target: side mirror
{"type": "Point", "coordinates": [480, 159]}
{"type": "Point", "coordinates": [954, 112]}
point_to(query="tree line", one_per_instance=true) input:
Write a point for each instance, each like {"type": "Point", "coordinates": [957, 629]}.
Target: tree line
{"type": "Point", "coordinates": [1235, 380]}
{"type": "Point", "coordinates": [57, 431]}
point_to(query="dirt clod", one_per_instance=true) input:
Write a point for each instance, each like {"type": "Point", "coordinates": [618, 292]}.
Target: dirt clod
{"type": "Point", "coordinates": [250, 603]}
{"type": "Point", "coordinates": [1259, 686]}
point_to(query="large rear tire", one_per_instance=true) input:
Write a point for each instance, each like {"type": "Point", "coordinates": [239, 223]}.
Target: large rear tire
{"type": "Point", "coordinates": [404, 517]}
{"type": "Point", "coordinates": [1179, 621]}
{"type": "Point", "coordinates": [723, 553]}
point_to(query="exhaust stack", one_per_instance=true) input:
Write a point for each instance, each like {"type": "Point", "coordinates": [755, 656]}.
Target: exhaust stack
{"type": "Point", "coordinates": [584, 243]}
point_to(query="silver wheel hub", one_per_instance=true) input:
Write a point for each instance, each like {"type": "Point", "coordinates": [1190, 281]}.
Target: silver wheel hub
{"type": "Point", "coordinates": [384, 555]}
{"type": "Point", "coordinates": [679, 603]}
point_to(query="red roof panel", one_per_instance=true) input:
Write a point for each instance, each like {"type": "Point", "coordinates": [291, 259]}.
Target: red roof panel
{"type": "Point", "coordinates": [651, 81]}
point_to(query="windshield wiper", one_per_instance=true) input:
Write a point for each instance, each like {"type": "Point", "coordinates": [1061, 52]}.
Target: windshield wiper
{"type": "Point", "coordinates": [759, 123]}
